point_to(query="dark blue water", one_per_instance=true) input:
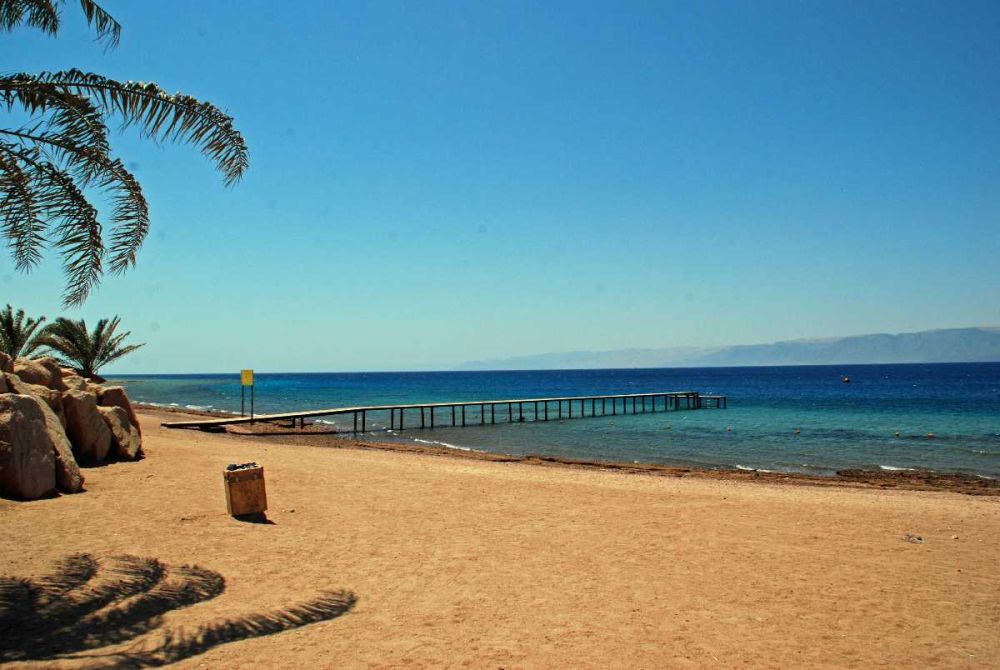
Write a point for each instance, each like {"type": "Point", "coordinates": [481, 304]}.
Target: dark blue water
{"type": "Point", "coordinates": [840, 425]}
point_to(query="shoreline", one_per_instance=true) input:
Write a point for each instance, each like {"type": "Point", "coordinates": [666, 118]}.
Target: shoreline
{"type": "Point", "coordinates": [914, 480]}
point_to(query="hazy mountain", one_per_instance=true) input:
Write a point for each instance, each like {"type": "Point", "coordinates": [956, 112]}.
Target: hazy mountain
{"type": "Point", "coordinates": [953, 345]}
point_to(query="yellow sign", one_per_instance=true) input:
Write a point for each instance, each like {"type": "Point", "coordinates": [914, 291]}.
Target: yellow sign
{"type": "Point", "coordinates": [246, 377]}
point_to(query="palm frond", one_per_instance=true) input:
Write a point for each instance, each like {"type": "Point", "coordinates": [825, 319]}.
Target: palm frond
{"type": "Point", "coordinates": [23, 224]}
{"type": "Point", "coordinates": [17, 332]}
{"type": "Point", "coordinates": [63, 150]}
{"type": "Point", "coordinates": [162, 116]}
{"type": "Point", "coordinates": [44, 15]}
{"type": "Point", "coordinates": [107, 28]}
{"type": "Point", "coordinates": [85, 350]}
{"type": "Point", "coordinates": [71, 116]}
{"type": "Point", "coordinates": [90, 167]}
{"type": "Point", "coordinates": [78, 232]}
{"type": "Point", "coordinates": [41, 14]}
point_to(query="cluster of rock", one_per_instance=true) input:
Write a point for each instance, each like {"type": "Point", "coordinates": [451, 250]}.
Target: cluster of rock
{"type": "Point", "coordinates": [52, 419]}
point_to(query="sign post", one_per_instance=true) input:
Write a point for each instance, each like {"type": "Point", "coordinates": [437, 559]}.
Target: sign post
{"type": "Point", "coordinates": [246, 379]}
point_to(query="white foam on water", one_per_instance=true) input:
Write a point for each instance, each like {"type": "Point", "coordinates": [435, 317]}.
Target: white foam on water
{"type": "Point", "coordinates": [747, 469]}
{"type": "Point", "coordinates": [443, 444]}
{"type": "Point", "coordinates": [892, 468]}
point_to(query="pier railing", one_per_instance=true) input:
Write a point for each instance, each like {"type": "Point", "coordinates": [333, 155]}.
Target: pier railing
{"type": "Point", "coordinates": [485, 411]}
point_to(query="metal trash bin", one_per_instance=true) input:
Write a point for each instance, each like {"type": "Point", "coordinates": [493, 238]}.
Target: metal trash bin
{"type": "Point", "coordinates": [245, 494]}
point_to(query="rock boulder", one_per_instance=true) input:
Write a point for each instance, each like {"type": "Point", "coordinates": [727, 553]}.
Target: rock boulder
{"type": "Point", "coordinates": [41, 371]}
{"type": "Point", "coordinates": [114, 396]}
{"type": "Point", "coordinates": [27, 455]}
{"type": "Point", "coordinates": [85, 426]}
{"type": "Point", "coordinates": [6, 363]}
{"type": "Point", "coordinates": [69, 479]}
{"type": "Point", "coordinates": [125, 438]}
{"type": "Point", "coordinates": [52, 398]}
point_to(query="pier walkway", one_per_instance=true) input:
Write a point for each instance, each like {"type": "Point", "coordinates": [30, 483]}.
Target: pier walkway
{"type": "Point", "coordinates": [485, 411]}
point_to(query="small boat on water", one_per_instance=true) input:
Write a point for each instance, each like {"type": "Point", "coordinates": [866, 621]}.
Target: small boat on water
{"type": "Point", "coordinates": [845, 379]}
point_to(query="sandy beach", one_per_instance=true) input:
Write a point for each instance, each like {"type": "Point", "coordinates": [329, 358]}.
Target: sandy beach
{"type": "Point", "coordinates": [490, 564]}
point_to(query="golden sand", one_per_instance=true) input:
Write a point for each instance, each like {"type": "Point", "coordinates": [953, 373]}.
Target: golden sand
{"type": "Point", "coordinates": [466, 563]}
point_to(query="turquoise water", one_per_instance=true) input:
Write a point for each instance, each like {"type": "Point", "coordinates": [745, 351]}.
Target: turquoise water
{"type": "Point", "coordinates": [840, 425]}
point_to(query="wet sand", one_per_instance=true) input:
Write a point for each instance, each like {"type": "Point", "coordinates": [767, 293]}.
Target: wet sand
{"type": "Point", "coordinates": [491, 562]}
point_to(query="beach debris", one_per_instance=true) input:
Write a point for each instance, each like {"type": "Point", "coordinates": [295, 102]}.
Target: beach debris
{"type": "Point", "coordinates": [914, 539]}
{"type": "Point", "coordinates": [241, 466]}
{"type": "Point", "coordinates": [245, 491]}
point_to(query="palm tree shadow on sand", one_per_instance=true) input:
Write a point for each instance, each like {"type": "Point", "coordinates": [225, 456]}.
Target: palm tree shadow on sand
{"type": "Point", "coordinates": [87, 608]}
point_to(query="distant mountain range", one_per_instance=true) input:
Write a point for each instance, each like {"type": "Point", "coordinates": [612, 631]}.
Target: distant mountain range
{"type": "Point", "coordinates": [954, 345]}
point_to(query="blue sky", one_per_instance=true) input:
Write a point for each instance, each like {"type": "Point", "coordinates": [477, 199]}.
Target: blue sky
{"type": "Point", "coordinates": [432, 183]}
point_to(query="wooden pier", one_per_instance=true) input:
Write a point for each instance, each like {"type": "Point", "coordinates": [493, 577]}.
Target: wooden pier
{"type": "Point", "coordinates": [485, 411]}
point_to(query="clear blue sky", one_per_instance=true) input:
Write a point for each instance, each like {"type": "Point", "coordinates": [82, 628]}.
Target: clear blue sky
{"type": "Point", "coordinates": [432, 183]}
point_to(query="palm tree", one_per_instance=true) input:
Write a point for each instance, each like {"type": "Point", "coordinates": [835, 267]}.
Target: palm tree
{"type": "Point", "coordinates": [86, 351]}
{"type": "Point", "coordinates": [48, 164]}
{"type": "Point", "coordinates": [17, 334]}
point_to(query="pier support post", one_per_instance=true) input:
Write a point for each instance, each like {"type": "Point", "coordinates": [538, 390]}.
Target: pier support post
{"type": "Point", "coordinates": [463, 416]}
{"type": "Point", "coordinates": [364, 417]}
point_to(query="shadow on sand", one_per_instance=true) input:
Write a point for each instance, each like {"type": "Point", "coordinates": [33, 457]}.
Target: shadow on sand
{"type": "Point", "coordinates": [87, 606]}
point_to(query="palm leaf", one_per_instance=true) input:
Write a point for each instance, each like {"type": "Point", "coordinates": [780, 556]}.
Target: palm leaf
{"type": "Point", "coordinates": [161, 116]}
{"type": "Point", "coordinates": [44, 14]}
{"type": "Point", "coordinates": [78, 232]}
{"type": "Point", "coordinates": [88, 351]}
{"type": "Point", "coordinates": [17, 333]}
{"type": "Point", "coordinates": [130, 212]}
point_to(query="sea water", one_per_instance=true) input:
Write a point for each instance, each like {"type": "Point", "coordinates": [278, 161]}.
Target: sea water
{"type": "Point", "coordinates": [789, 419]}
